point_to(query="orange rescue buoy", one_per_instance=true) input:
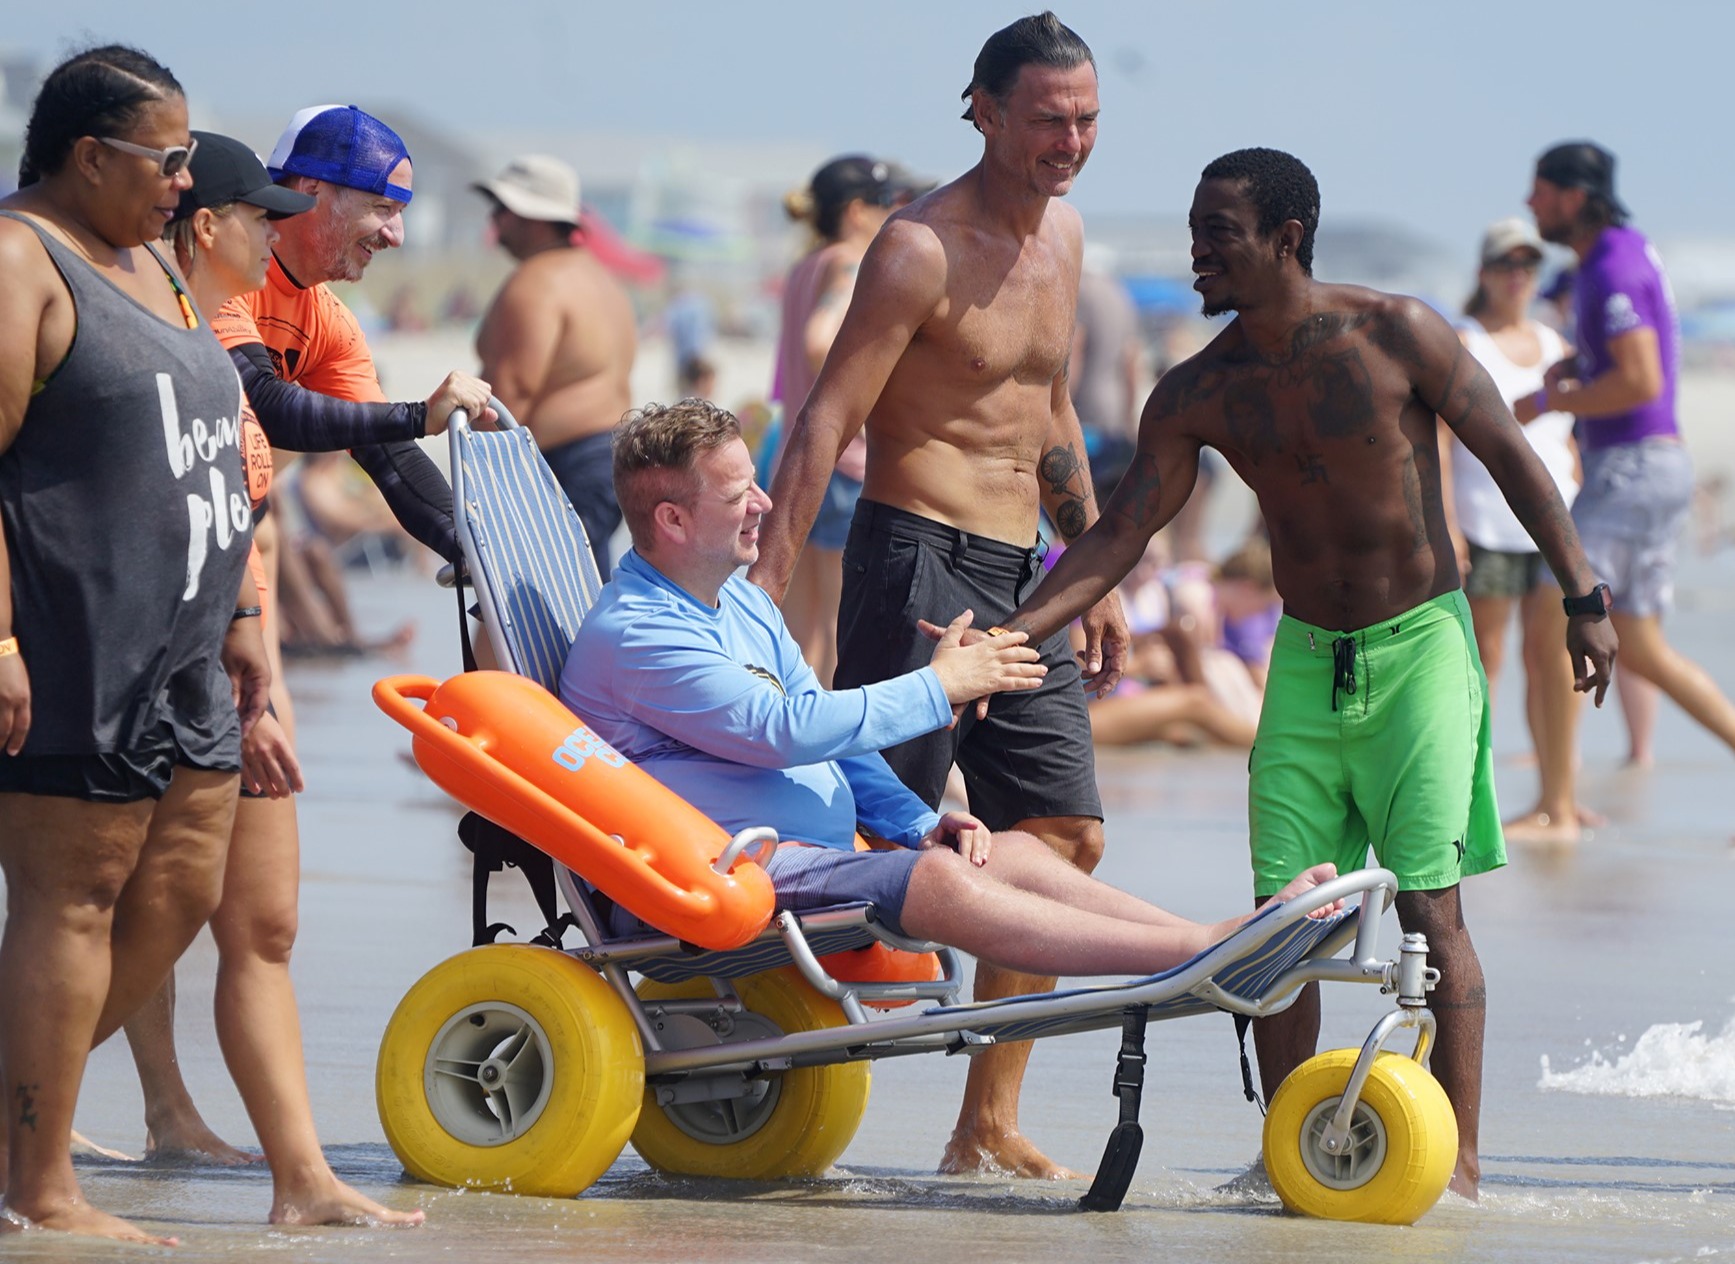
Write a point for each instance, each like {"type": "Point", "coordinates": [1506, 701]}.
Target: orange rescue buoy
{"type": "Point", "coordinates": [505, 747]}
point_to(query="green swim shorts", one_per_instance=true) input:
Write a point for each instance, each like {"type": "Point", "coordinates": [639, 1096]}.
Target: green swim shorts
{"type": "Point", "coordinates": [1376, 738]}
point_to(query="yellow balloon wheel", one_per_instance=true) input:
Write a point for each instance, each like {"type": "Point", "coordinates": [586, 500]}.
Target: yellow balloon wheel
{"type": "Point", "coordinates": [1402, 1147]}
{"type": "Point", "coordinates": [510, 1067]}
{"type": "Point", "coordinates": [795, 1123]}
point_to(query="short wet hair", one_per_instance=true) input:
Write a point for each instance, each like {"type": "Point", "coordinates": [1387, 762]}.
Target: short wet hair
{"type": "Point", "coordinates": [655, 448]}
{"type": "Point", "coordinates": [1039, 40]}
{"type": "Point", "coordinates": [99, 92]}
{"type": "Point", "coordinates": [1280, 187]}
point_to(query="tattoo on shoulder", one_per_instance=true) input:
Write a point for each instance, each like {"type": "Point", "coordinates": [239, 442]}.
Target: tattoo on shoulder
{"type": "Point", "coordinates": [1393, 334]}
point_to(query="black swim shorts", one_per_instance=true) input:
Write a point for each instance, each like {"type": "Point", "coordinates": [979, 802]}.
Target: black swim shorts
{"type": "Point", "coordinates": [1032, 756]}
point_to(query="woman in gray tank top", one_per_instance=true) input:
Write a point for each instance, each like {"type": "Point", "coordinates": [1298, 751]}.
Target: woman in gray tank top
{"type": "Point", "coordinates": [124, 527]}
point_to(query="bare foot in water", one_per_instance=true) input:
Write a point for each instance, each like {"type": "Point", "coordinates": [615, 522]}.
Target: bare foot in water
{"type": "Point", "coordinates": [1005, 1154]}
{"type": "Point", "coordinates": [1465, 1186]}
{"type": "Point", "coordinates": [1544, 828]}
{"type": "Point", "coordinates": [330, 1202]}
{"type": "Point", "coordinates": [77, 1216]}
{"type": "Point", "coordinates": [193, 1142]}
{"type": "Point", "coordinates": [84, 1147]}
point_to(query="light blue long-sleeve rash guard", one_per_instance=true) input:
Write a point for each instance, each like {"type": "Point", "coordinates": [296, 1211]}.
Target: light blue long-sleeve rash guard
{"type": "Point", "coordinates": [761, 741]}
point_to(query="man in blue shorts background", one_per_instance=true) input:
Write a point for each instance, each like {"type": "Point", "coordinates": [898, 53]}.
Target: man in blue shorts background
{"type": "Point", "coordinates": [688, 670]}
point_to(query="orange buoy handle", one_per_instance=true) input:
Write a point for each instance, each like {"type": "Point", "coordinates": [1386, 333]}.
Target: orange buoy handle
{"type": "Point", "coordinates": [505, 747]}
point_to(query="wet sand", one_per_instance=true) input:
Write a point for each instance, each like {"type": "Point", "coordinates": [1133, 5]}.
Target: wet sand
{"type": "Point", "coordinates": [1586, 950]}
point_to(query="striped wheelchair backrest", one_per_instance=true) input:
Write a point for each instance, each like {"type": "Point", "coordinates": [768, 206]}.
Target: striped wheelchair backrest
{"type": "Point", "coordinates": [531, 548]}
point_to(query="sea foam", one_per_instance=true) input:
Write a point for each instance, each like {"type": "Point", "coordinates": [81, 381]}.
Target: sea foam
{"type": "Point", "coordinates": [1669, 1060]}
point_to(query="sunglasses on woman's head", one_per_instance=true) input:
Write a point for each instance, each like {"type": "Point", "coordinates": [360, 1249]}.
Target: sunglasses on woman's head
{"type": "Point", "coordinates": [170, 162]}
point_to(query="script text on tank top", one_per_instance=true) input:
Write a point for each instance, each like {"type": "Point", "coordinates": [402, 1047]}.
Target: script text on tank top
{"type": "Point", "coordinates": [225, 512]}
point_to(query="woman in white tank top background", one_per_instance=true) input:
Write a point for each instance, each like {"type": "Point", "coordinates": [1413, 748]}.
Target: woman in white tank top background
{"type": "Point", "coordinates": [1502, 568]}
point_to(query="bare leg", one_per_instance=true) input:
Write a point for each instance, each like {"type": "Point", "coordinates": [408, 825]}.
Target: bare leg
{"type": "Point", "coordinates": [174, 1129]}
{"type": "Point", "coordinates": [258, 1025]}
{"type": "Point", "coordinates": [1489, 616]}
{"type": "Point", "coordinates": [66, 864]}
{"type": "Point", "coordinates": [1645, 653]}
{"type": "Point", "coordinates": [982, 913]}
{"type": "Point", "coordinates": [1286, 1040]}
{"type": "Point", "coordinates": [305, 619]}
{"type": "Point", "coordinates": [1640, 702]}
{"type": "Point", "coordinates": [1151, 716]}
{"type": "Point", "coordinates": [1460, 1003]}
{"type": "Point", "coordinates": [172, 891]}
{"type": "Point", "coordinates": [986, 1138]}
{"type": "Point", "coordinates": [1554, 715]}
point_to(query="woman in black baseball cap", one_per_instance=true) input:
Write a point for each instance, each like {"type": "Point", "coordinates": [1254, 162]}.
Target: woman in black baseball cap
{"type": "Point", "coordinates": [223, 232]}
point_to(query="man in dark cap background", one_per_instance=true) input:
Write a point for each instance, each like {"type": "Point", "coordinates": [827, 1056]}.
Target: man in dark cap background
{"type": "Point", "coordinates": [1638, 480]}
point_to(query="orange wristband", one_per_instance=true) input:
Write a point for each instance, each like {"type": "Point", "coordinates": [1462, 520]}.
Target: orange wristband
{"type": "Point", "coordinates": [8, 647]}
{"type": "Point", "coordinates": [998, 631]}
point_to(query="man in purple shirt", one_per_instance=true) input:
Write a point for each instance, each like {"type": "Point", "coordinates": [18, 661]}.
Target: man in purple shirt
{"type": "Point", "coordinates": [1638, 481]}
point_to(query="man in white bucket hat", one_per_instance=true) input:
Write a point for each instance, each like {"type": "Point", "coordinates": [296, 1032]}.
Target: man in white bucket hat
{"type": "Point", "coordinates": [558, 342]}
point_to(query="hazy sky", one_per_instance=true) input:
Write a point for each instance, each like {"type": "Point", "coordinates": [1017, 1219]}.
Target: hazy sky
{"type": "Point", "coordinates": [1427, 113]}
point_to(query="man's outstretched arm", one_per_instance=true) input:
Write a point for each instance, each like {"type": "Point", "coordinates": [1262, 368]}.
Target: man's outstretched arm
{"type": "Point", "coordinates": [1070, 499]}
{"type": "Point", "coordinates": [1152, 491]}
{"type": "Point", "coordinates": [1450, 380]}
{"type": "Point", "coordinates": [901, 281]}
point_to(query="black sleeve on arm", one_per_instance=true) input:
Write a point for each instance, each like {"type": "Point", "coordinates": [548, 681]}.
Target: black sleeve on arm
{"type": "Point", "coordinates": [299, 420]}
{"type": "Point", "coordinates": [415, 491]}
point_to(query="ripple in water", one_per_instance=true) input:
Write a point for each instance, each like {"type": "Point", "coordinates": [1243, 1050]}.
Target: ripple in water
{"type": "Point", "coordinates": [1669, 1060]}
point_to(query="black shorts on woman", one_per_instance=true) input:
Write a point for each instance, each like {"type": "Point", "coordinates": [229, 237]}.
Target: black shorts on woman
{"type": "Point", "coordinates": [1032, 756]}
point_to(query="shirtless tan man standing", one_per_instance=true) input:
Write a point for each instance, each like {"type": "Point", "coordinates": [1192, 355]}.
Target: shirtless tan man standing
{"type": "Point", "coordinates": [954, 356]}
{"type": "Point", "coordinates": [1375, 725]}
{"type": "Point", "coordinates": [558, 342]}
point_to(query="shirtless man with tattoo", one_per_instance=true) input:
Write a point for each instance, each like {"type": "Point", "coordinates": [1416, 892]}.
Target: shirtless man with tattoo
{"type": "Point", "coordinates": [953, 354]}
{"type": "Point", "coordinates": [1375, 725]}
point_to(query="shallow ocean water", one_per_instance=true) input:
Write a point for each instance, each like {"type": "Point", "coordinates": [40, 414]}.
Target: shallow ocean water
{"type": "Point", "coordinates": [1609, 1096]}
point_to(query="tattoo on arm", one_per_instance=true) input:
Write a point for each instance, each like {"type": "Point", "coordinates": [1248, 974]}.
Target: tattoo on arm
{"type": "Point", "coordinates": [1064, 474]}
{"type": "Point", "coordinates": [1139, 494]}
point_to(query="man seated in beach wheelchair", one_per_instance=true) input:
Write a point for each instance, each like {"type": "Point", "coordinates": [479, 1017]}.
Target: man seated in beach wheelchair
{"type": "Point", "coordinates": [709, 804]}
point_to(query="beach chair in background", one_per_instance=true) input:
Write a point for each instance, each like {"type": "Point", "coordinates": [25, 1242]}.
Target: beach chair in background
{"type": "Point", "coordinates": [743, 1048]}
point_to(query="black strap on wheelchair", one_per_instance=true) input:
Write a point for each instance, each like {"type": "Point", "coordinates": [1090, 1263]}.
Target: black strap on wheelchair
{"type": "Point", "coordinates": [1120, 1158]}
{"type": "Point", "coordinates": [459, 575]}
{"type": "Point", "coordinates": [1242, 1023]}
{"type": "Point", "coordinates": [494, 848]}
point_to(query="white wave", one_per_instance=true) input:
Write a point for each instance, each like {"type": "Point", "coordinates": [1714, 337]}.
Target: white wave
{"type": "Point", "coordinates": [1669, 1060]}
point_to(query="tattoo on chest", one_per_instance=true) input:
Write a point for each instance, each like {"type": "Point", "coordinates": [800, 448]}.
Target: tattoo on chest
{"type": "Point", "coordinates": [1312, 467]}
{"type": "Point", "coordinates": [1341, 396]}
{"type": "Point", "coordinates": [1064, 475]}
{"type": "Point", "coordinates": [1251, 417]}
{"type": "Point", "coordinates": [1264, 402]}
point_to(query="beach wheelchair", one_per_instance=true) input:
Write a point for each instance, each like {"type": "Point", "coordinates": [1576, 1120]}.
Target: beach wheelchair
{"type": "Point", "coordinates": [735, 1040]}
